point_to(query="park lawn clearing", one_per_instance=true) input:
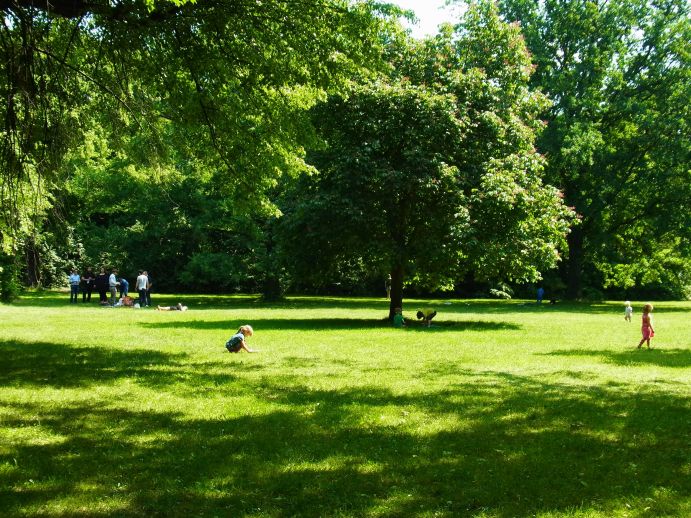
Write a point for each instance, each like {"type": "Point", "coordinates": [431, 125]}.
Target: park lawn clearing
{"type": "Point", "coordinates": [502, 408]}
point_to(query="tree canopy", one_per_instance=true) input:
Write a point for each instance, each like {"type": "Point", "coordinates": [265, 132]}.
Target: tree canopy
{"type": "Point", "coordinates": [219, 81]}
{"type": "Point", "coordinates": [432, 174]}
{"type": "Point", "coordinates": [217, 87]}
{"type": "Point", "coordinates": [169, 134]}
{"type": "Point", "coordinates": [617, 138]}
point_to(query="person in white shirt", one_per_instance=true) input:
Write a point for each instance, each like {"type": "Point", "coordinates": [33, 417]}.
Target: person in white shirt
{"type": "Point", "coordinates": [113, 285]}
{"type": "Point", "coordinates": [141, 285]}
{"type": "Point", "coordinates": [628, 311]}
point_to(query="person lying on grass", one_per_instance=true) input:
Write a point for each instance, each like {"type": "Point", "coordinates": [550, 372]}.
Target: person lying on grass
{"type": "Point", "coordinates": [177, 307]}
{"type": "Point", "coordinates": [237, 342]}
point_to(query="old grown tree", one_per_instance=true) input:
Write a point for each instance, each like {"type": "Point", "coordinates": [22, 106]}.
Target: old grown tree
{"type": "Point", "coordinates": [432, 173]}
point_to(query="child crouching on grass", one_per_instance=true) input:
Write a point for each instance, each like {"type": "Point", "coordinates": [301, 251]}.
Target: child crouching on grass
{"type": "Point", "coordinates": [237, 342]}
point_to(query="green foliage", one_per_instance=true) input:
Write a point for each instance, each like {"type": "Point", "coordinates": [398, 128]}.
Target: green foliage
{"type": "Point", "coordinates": [9, 283]}
{"type": "Point", "coordinates": [214, 272]}
{"type": "Point", "coordinates": [502, 291]}
{"type": "Point", "coordinates": [619, 73]}
{"type": "Point", "coordinates": [170, 224]}
{"type": "Point", "coordinates": [432, 174]}
{"type": "Point", "coordinates": [107, 98]}
{"type": "Point", "coordinates": [155, 134]}
{"type": "Point", "coordinates": [662, 272]}
{"type": "Point", "coordinates": [50, 257]}
{"type": "Point", "coordinates": [177, 223]}
{"type": "Point", "coordinates": [382, 181]}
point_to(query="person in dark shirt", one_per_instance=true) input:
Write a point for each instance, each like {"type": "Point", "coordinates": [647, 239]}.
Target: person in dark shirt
{"type": "Point", "coordinates": [149, 283]}
{"type": "Point", "coordinates": [101, 284]}
{"type": "Point", "coordinates": [124, 287]}
{"type": "Point", "coordinates": [426, 315]}
{"type": "Point", "coordinates": [88, 279]}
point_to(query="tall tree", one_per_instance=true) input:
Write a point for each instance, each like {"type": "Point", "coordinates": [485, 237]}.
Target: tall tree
{"type": "Point", "coordinates": [432, 174]}
{"type": "Point", "coordinates": [619, 72]}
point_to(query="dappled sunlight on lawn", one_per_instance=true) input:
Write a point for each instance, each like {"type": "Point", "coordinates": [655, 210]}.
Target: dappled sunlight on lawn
{"type": "Point", "coordinates": [546, 446]}
{"type": "Point", "coordinates": [487, 413]}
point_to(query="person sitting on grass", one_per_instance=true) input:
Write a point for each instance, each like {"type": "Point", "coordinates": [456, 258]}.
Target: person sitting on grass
{"type": "Point", "coordinates": [426, 315]}
{"type": "Point", "coordinates": [398, 320]}
{"type": "Point", "coordinates": [237, 342]}
{"type": "Point", "coordinates": [177, 307]}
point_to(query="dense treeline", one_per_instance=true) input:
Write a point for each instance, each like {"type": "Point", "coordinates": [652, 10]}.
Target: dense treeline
{"type": "Point", "coordinates": [243, 146]}
{"type": "Point", "coordinates": [617, 136]}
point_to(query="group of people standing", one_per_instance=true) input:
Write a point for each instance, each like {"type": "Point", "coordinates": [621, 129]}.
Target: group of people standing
{"type": "Point", "coordinates": [107, 286]}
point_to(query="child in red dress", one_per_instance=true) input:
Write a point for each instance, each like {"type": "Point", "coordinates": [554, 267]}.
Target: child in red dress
{"type": "Point", "coordinates": [647, 325]}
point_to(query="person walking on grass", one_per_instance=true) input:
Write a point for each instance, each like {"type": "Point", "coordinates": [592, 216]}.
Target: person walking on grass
{"type": "Point", "coordinates": [647, 325]}
{"type": "Point", "coordinates": [540, 294]}
{"type": "Point", "coordinates": [628, 311]}
{"type": "Point", "coordinates": [237, 342]}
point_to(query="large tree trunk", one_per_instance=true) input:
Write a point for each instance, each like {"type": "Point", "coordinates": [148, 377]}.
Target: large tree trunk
{"type": "Point", "coordinates": [396, 290]}
{"type": "Point", "coordinates": [33, 264]}
{"type": "Point", "coordinates": [271, 288]}
{"type": "Point", "coordinates": [574, 270]}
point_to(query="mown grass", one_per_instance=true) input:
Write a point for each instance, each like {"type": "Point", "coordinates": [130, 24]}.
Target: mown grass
{"type": "Point", "coordinates": [502, 409]}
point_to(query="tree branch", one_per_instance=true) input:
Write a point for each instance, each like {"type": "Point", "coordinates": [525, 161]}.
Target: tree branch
{"type": "Point", "coordinates": [103, 87]}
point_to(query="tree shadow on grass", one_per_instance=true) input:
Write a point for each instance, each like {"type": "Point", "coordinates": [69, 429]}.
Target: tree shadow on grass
{"type": "Point", "coordinates": [44, 364]}
{"type": "Point", "coordinates": [451, 306]}
{"type": "Point", "coordinates": [521, 447]}
{"type": "Point", "coordinates": [469, 325]}
{"type": "Point", "coordinates": [320, 324]}
{"type": "Point", "coordinates": [677, 358]}
{"type": "Point", "coordinates": [271, 324]}
{"type": "Point", "coordinates": [51, 298]}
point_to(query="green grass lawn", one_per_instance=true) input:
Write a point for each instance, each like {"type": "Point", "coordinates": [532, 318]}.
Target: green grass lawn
{"type": "Point", "coordinates": [502, 409]}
